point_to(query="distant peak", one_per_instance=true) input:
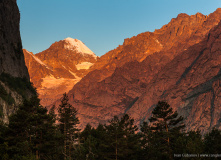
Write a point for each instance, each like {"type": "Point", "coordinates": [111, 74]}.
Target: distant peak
{"type": "Point", "coordinates": [75, 44]}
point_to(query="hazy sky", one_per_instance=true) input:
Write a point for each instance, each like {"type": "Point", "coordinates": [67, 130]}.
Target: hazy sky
{"type": "Point", "coordinates": [101, 24]}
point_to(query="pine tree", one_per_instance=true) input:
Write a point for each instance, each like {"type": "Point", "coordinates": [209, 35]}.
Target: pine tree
{"type": "Point", "coordinates": [164, 119]}
{"type": "Point", "coordinates": [165, 127]}
{"type": "Point", "coordinates": [67, 124]}
{"type": "Point", "coordinates": [121, 138]}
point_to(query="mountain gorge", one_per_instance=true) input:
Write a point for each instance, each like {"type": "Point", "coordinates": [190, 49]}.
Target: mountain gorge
{"type": "Point", "coordinates": [57, 69]}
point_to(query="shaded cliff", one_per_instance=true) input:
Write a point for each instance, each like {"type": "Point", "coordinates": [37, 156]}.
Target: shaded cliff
{"type": "Point", "coordinates": [14, 78]}
{"type": "Point", "coordinates": [11, 55]}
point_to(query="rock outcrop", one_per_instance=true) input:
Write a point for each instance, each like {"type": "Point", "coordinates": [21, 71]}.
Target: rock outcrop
{"type": "Point", "coordinates": [57, 69]}
{"type": "Point", "coordinates": [14, 77]}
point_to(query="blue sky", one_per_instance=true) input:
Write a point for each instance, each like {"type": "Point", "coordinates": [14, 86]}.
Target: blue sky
{"type": "Point", "coordinates": [101, 24]}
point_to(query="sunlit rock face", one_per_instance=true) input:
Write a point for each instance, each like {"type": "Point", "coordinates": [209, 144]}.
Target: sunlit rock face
{"type": "Point", "coordinates": [153, 66]}
{"type": "Point", "coordinates": [57, 69]}
{"type": "Point", "coordinates": [190, 83]}
{"type": "Point", "coordinates": [12, 64]}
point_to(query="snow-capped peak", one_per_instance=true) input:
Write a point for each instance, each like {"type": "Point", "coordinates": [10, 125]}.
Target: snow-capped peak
{"type": "Point", "coordinates": [76, 44]}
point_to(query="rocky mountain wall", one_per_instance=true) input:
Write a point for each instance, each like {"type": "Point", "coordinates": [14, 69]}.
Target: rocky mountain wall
{"type": "Point", "coordinates": [14, 77]}
{"type": "Point", "coordinates": [11, 55]}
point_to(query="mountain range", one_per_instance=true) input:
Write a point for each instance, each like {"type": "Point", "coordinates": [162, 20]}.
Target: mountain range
{"type": "Point", "coordinates": [178, 63]}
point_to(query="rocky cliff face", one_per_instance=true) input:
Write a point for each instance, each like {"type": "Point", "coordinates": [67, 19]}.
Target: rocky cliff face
{"type": "Point", "coordinates": [57, 69]}
{"type": "Point", "coordinates": [11, 55]}
{"type": "Point", "coordinates": [13, 72]}
{"type": "Point", "coordinates": [190, 83]}
{"type": "Point", "coordinates": [134, 76]}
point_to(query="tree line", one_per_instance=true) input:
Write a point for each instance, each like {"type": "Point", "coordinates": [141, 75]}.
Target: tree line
{"type": "Point", "coordinates": [34, 133]}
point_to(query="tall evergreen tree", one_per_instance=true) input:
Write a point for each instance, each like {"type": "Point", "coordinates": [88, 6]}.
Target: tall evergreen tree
{"type": "Point", "coordinates": [122, 140]}
{"type": "Point", "coordinates": [164, 119]}
{"type": "Point", "coordinates": [67, 124]}
{"type": "Point", "coordinates": [165, 127]}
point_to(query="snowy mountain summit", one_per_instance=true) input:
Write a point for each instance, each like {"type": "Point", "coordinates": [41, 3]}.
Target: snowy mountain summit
{"type": "Point", "coordinates": [57, 69]}
{"type": "Point", "coordinates": [75, 44]}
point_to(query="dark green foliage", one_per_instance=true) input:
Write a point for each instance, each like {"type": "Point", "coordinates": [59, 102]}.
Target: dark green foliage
{"type": "Point", "coordinates": [89, 144]}
{"type": "Point", "coordinates": [117, 140]}
{"type": "Point", "coordinates": [67, 124]}
{"type": "Point", "coordinates": [164, 119]}
{"type": "Point", "coordinates": [159, 139]}
{"type": "Point", "coordinates": [92, 143]}
{"type": "Point", "coordinates": [194, 143]}
{"type": "Point", "coordinates": [20, 85]}
{"type": "Point", "coordinates": [31, 133]}
{"type": "Point", "coordinates": [189, 143]}
{"type": "Point", "coordinates": [122, 140]}
{"type": "Point", "coordinates": [5, 96]}
{"type": "Point", "coordinates": [212, 142]}
{"type": "Point", "coordinates": [164, 137]}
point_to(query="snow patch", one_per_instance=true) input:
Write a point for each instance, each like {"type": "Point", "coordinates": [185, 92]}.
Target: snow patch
{"type": "Point", "coordinates": [50, 82]}
{"type": "Point", "coordinates": [84, 65]}
{"type": "Point", "coordinates": [75, 44]}
{"type": "Point", "coordinates": [53, 88]}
